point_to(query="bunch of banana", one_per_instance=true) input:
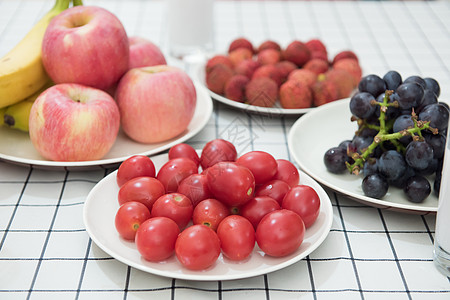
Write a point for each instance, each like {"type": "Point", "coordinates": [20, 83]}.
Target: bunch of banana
{"type": "Point", "coordinates": [22, 74]}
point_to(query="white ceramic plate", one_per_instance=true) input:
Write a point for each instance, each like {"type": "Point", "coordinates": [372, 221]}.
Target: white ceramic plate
{"type": "Point", "coordinates": [325, 127]}
{"type": "Point", "coordinates": [277, 110]}
{"type": "Point", "coordinates": [99, 212]}
{"type": "Point", "coordinates": [16, 146]}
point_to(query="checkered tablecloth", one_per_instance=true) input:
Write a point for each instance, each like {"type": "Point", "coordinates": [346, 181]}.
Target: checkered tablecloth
{"type": "Point", "coordinates": [46, 253]}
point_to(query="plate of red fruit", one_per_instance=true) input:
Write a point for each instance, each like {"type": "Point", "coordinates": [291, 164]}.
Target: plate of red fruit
{"type": "Point", "coordinates": [276, 80]}
{"type": "Point", "coordinates": [110, 230]}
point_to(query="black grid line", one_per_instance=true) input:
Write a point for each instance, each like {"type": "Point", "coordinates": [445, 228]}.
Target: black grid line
{"type": "Point", "coordinates": [347, 241]}
{"type": "Point", "coordinates": [394, 252]}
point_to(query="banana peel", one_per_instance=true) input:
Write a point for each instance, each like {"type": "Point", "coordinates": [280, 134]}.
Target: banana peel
{"type": "Point", "coordinates": [16, 116]}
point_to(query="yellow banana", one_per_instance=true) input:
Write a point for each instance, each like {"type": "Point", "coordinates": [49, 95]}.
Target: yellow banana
{"type": "Point", "coordinates": [21, 70]}
{"type": "Point", "coordinates": [16, 116]}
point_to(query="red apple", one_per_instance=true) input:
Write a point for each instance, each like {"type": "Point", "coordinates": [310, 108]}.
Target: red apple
{"type": "Point", "coordinates": [156, 103]}
{"type": "Point", "coordinates": [144, 53]}
{"type": "Point", "coordinates": [86, 45]}
{"type": "Point", "coordinates": [73, 122]}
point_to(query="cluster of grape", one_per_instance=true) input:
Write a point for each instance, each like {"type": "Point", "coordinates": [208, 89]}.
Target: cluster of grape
{"type": "Point", "coordinates": [400, 141]}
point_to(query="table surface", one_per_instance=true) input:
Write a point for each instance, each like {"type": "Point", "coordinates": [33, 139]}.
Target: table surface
{"type": "Point", "coordinates": [369, 253]}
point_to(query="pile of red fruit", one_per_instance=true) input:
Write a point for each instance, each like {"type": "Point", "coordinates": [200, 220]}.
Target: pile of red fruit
{"type": "Point", "coordinates": [298, 76]}
{"type": "Point", "coordinates": [229, 207]}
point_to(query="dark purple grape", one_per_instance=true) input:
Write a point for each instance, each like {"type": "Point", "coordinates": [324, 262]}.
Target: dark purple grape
{"type": "Point", "coordinates": [433, 85]}
{"type": "Point", "coordinates": [401, 123]}
{"type": "Point", "coordinates": [335, 159]}
{"type": "Point", "coordinates": [368, 132]}
{"type": "Point", "coordinates": [370, 167]}
{"type": "Point", "coordinates": [372, 84]}
{"type": "Point", "coordinates": [344, 144]}
{"type": "Point", "coordinates": [437, 141]}
{"type": "Point", "coordinates": [401, 181]}
{"type": "Point", "coordinates": [429, 97]}
{"type": "Point", "coordinates": [431, 169]}
{"type": "Point", "coordinates": [418, 155]}
{"type": "Point", "coordinates": [392, 79]}
{"type": "Point", "coordinates": [375, 186]}
{"type": "Point", "coordinates": [360, 143]}
{"type": "Point", "coordinates": [410, 95]}
{"type": "Point", "coordinates": [361, 106]}
{"type": "Point", "coordinates": [437, 114]}
{"type": "Point", "coordinates": [417, 188]}
{"type": "Point", "coordinates": [391, 165]}
{"type": "Point", "coordinates": [445, 105]}
{"type": "Point", "coordinates": [416, 79]}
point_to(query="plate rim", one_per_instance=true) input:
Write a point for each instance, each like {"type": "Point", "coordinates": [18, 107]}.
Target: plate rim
{"type": "Point", "coordinates": [379, 203]}
{"type": "Point", "coordinates": [206, 105]}
{"type": "Point", "coordinates": [199, 73]}
{"type": "Point", "coordinates": [326, 208]}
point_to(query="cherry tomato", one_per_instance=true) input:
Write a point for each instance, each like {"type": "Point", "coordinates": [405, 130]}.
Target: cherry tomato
{"type": "Point", "coordinates": [135, 166]}
{"type": "Point", "coordinates": [174, 206]}
{"type": "Point", "coordinates": [197, 247]}
{"type": "Point", "coordinates": [195, 187]}
{"type": "Point", "coordinates": [287, 172]}
{"type": "Point", "coordinates": [231, 183]}
{"type": "Point", "coordinates": [262, 165]}
{"type": "Point", "coordinates": [129, 217]}
{"type": "Point", "coordinates": [237, 237]}
{"type": "Point", "coordinates": [184, 150]}
{"type": "Point", "coordinates": [305, 201]}
{"type": "Point", "coordinates": [156, 238]}
{"type": "Point", "coordinates": [280, 233]}
{"type": "Point", "coordinates": [141, 189]}
{"type": "Point", "coordinates": [255, 209]}
{"type": "Point", "coordinates": [174, 171]}
{"type": "Point", "coordinates": [210, 212]}
{"type": "Point", "coordinates": [216, 151]}
{"type": "Point", "coordinates": [275, 189]}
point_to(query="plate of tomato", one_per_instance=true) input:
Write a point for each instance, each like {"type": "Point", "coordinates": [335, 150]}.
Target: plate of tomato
{"type": "Point", "coordinates": [103, 203]}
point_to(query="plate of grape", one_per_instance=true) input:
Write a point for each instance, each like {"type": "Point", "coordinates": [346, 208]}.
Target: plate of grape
{"type": "Point", "coordinates": [392, 161]}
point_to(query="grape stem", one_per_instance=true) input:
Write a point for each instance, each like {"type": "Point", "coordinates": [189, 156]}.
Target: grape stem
{"type": "Point", "coordinates": [384, 135]}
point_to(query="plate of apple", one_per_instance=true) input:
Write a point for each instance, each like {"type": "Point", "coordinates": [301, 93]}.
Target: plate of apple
{"type": "Point", "coordinates": [275, 80]}
{"type": "Point", "coordinates": [101, 111]}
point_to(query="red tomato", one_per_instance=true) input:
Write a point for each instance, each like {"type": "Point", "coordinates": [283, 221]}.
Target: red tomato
{"type": "Point", "coordinates": [231, 183]}
{"type": "Point", "coordinates": [195, 187]}
{"type": "Point", "coordinates": [184, 150]}
{"type": "Point", "coordinates": [237, 237]}
{"type": "Point", "coordinates": [275, 189]}
{"type": "Point", "coordinates": [174, 206]}
{"type": "Point", "coordinates": [156, 238]}
{"type": "Point", "coordinates": [280, 233]}
{"type": "Point", "coordinates": [197, 247]}
{"type": "Point", "coordinates": [262, 165]}
{"type": "Point", "coordinates": [255, 209]}
{"type": "Point", "coordinates": [216, 151]}
{"type": "Point", "coordinates": [287, 172]}
{"type": "Point", "coordinates": [141, 189]}
{"type": "Point", "coordinates": [129, 217]}
{"type": "Point", "coordinates": [305, 201]}
{"type": "Point", "coordinates": [210, 212]}
{"type": "Point", "coordinates": [174, 171]}
{"type": "Point", "coordinates": [135, 166]}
